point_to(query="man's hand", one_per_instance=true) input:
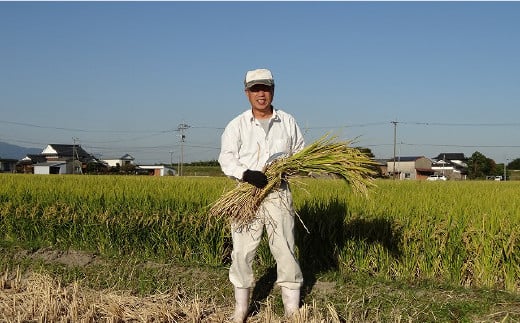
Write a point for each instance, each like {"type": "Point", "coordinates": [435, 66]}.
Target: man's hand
{"type": "Point", "coordinates": [255, 178]}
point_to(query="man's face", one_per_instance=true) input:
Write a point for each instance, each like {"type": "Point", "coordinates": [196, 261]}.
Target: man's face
{"type": "Point", "coordinates": [260, 96]}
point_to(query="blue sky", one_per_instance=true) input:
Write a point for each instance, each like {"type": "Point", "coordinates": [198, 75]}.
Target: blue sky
{"type": "Point", "coordinates": [120, 77]}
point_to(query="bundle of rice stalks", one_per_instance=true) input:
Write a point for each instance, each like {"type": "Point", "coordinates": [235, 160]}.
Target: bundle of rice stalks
{"type": "Point", "coordinates": [324, 157]}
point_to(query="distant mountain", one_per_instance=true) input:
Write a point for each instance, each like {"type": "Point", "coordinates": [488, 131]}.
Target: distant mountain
{"type": "Point", "coordinates": [8, 151]}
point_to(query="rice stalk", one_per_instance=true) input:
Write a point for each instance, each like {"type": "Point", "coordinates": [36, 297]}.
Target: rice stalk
{"type": "Point", "coordinates": [324, 157]}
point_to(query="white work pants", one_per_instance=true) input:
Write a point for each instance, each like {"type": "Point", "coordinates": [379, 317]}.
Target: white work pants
{"type": "Point", "coordinates": [277, 216]}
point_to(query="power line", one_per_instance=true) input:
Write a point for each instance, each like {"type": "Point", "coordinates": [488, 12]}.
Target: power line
{"type": "Point", "coordinates": [206, 127]}
{"type": "Point", "coordinates": [448, 124]}
{"type": "Point", "coordinates": [133, 139]}
{"type": "Point", "coordinates": [353, 125]}
{"type": "Point", "coordinates": [462, 146]}
{"type": "Point", "coordinates": [113, 143]}
{"type": "Point", "coordinates": [101, 130]}
{"type": "Point", "coordinates": [79, 130]}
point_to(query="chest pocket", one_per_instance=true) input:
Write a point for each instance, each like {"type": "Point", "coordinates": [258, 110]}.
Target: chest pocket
{"type": "Point", "coordinates": [281, 146]}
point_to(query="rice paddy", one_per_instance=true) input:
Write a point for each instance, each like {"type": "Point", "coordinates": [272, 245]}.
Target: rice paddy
{"type": "Point", "coordinates": [463, 234]}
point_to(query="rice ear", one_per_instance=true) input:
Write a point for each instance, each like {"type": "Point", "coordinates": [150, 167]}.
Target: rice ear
{"type": "Point", "coordinates": [324, 157]}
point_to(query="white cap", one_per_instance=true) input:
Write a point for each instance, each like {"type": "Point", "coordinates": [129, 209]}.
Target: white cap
{"type": "Point", "coordinates": [259, 76]}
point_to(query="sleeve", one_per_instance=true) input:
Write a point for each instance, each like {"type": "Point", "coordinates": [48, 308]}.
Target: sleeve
{"type": "Point", "coordinates": [298, 140]}
{"type": "Point", "coordinates": [229, 153]}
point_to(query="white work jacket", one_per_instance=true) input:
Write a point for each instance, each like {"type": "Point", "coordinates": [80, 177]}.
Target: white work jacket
{"type": "Point", "coordinates": [245, 144]}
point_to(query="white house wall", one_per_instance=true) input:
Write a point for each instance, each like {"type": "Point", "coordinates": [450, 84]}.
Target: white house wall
{"type": "Point", "coordinates": [113, 162]}
{"type": "Point", "coordinates": [46, 169]}
{"type": "Point", "coordinates": [42, 170]}
{"type": "Point", "coordinates": [163, 171]}
{"type": "Point", "coordinates": [401, 166]}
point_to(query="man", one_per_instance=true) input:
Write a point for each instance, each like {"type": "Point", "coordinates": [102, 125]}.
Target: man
{"type": "Point", "coordinates": [248, 141]}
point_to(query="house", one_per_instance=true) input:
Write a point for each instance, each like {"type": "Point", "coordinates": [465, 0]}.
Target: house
{"type": "Point", "coordinates": [25, 165]}
{"type": "Point", "coordinates": [124, 160]}
{"type": "Point", "coordinates": [56, 167]}
{"type": "Point", "coordinates": [57, 159]}
{"type": "Point", "coordinates": [451, 165]}
{"type": "Point", "coordinates": [158, 170]}
{"type": "Point", "coordinates": [7, 165]}
{"type": "Point", "coordinates": [382, 167]}
{"type": "Point", "coordinates": [411, 167]}
{"type": "Point", "coordinates": [65, 152]}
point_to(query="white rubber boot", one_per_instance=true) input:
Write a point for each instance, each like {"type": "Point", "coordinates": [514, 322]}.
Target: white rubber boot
{"type": "Point", "coordinates": [241, 304]}
{"type": "Point", "coordinates": [291, 301]}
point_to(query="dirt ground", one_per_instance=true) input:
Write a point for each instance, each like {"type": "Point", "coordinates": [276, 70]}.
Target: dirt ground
{"type": "Point", "coordinates": [36, 297]}
{"type": "Point", "coordinates": [69, 257]}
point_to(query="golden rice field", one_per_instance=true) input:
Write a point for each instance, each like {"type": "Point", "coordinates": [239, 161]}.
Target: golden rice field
{"type": "Point", "coordinates": [461, 233]}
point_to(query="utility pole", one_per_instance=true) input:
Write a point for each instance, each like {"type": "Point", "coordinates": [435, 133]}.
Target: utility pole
{"type": "Point", "coordinates": [171, 160]}
{"type": "Point", "coordinates": [395, 138]}
{"type": "Point", "coordinates": [74, 155]}
{"type": "Point", "coordinates": [181, 128]}
{"type": "Point", "coordinates": [443, 163]}
{"type": "Point", "coordinates": [505, 171]}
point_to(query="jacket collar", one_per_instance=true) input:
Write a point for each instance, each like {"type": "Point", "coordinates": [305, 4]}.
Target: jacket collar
{"type": "Point", "coordinates": [274, 117]}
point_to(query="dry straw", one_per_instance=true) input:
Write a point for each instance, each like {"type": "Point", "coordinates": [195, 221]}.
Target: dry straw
{"type": "Point", "coordinates": [325, 157]}
{"type": "Point", "coordinates": [41, 298]}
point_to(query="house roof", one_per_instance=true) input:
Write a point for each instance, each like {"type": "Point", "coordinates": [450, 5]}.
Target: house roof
{"type": "Point", "coordinates": [381, 161]}
{"type": "Point", "coordinates": [450, 156]}
{"type": "Point", "coordinates": [406, 158]}
{"type": "Point", "coordinates": [67, 151]}
{"type": "Point", "coordinates": [32, 159]}
{"type": "Point", "coordinates": [124, 157]}
{"type": "Point", "coordinates": [51, 164]}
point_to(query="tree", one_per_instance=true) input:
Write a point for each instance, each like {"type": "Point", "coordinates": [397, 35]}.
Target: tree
{"type": "Point", "coordinates": [368, 152]}
{"type": "Point", "coordinates": [479, 166]}
{"type": "Point", "coordinates": [128, 168]}
{"type": "Point", "coordinates": [204, 163]}
{"type": "Point", "coordinates": [96, 168]}
{"type": "Point", "coordinates": [514, 165]}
